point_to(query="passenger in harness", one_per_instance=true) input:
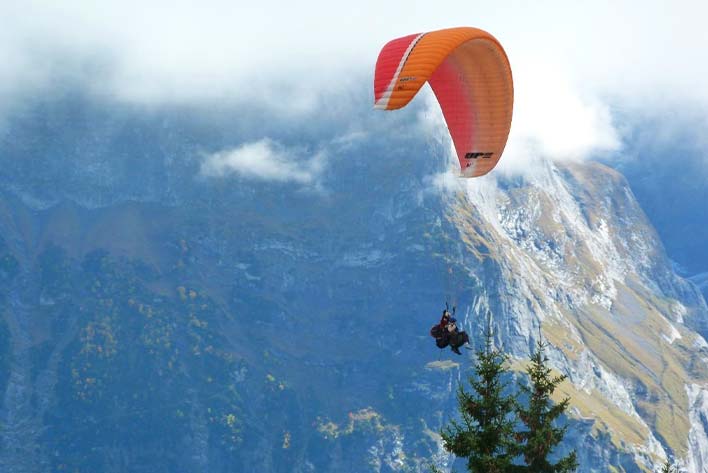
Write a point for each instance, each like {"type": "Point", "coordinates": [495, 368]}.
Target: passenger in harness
{"type": "Point", "coordinates": [446, 332]}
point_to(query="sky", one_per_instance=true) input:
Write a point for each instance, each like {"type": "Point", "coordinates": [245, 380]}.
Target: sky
{"type": "Point", "coordinates": [579, 67]}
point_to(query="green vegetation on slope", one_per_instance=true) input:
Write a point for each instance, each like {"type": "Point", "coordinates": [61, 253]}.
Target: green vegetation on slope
{"type": "Point", "coordinates": [143, 371]}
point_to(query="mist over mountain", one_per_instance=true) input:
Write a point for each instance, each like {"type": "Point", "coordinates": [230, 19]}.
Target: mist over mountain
{"type": "Point", "coordinates": [666, 165]}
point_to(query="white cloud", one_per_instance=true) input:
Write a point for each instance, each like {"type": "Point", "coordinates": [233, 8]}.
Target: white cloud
{"type": "Point", "coordinates": [180, 50]}
{"type": "Point", "coordinates": [573, 62]}
{"type": "Point", "coordinates": [552, 118]}
{"type": "Point", "coordinates": [265, 160]}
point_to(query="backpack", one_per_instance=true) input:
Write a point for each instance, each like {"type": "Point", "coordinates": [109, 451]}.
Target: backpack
{"type": "Point", "coordinates": [436, 331]}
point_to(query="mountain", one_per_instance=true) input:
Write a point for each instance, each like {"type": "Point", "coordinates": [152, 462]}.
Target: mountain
{"type": "Point", "coordinates": [596, 280]}
{"type": "Point", "coordinates": [156, 317]}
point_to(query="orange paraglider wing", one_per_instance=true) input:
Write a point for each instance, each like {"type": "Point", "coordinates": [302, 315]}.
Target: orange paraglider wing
{"type": "Point", "coordinates": [471, 78]}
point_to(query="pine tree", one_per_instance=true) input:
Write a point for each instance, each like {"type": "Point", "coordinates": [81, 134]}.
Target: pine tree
{"type": "Point", "coordinates": [540, 436]}
{"type": "Point", "coordinates": [485, 436]}
{"type": "Point", "coordinates": [667, 468]}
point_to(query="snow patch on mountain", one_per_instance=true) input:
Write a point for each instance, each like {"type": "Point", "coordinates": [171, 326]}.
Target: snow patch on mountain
{"type": "Point", "coordinates": [673, 334]}
{"type": "Point", "coordinates": [697, 458]}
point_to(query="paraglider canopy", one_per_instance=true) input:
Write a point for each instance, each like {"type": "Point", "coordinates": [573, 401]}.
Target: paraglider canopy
{"type": "Point", "coordinates": [470, 76]}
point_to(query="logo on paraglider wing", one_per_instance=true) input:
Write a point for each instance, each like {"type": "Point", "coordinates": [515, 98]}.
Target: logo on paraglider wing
{"type": "Point", "coordinates": [478, 154]}
{"type": "Point", "coordinates": [402, 81]}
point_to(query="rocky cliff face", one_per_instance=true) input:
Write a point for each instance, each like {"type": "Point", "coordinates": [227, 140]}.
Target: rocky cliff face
{"type": "Point", "coordinates": [581, 266]}
{"type": "Point", "coordinates": [156, 318]}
